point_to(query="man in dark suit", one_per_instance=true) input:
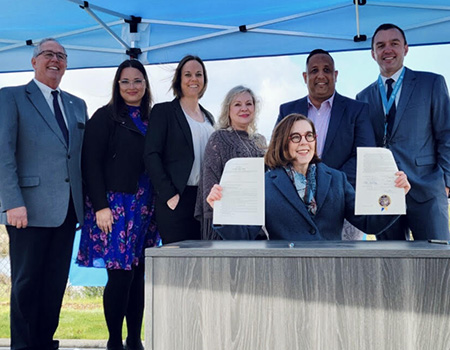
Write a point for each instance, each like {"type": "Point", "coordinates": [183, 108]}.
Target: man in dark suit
{"type": "Point", "coordinates": [342, 123]}
{"type": "Point", "coordinates": [41, 132]}
{"type": "Point", "coordinates": [410, 112]}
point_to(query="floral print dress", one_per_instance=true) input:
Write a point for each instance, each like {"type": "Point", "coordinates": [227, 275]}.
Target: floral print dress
{"type": "Point", "coordinates": [133, 230]}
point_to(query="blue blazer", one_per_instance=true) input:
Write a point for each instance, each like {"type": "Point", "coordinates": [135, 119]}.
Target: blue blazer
{"type": "Point", "coordinates": [38, 169]}
{"type": "Point", "coordinates": [349, 128]}
{"type": "Point", "coordinates": [287, 217]}
{"type": "Point", "coordinates": [420, 139]}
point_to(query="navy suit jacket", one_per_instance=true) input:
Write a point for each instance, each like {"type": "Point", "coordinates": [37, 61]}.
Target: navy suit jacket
{"type": "Point", "coordinates": [349, 128]}
{"type": "Point", "coordinates": [420, 139]}
{"type": "Point", "coordinates": [38, 169]}
{"type": "Point", "coordinates": [287, 217]}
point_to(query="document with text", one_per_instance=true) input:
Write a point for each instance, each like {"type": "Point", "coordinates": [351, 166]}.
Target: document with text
{"type": "Point", "coordinates": [243, 195]}
{"type": "Point", "coordinates": [376, 193]}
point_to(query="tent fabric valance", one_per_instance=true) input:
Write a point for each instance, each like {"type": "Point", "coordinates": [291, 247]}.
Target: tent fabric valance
{"type": "Point", "coordinates": [102, 33]}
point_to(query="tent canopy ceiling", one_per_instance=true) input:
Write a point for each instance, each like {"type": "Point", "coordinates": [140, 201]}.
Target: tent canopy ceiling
{"type": "Point", "coordinates": [102, 33]}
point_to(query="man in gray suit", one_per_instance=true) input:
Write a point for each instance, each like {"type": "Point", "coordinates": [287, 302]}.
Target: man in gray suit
{"type": "Point", "coordinates": [41, 201]}
{"type": "Point", "coordinates": [410, 112]}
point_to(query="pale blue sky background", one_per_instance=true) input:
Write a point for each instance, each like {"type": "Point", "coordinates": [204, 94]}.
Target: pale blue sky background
{"type": "Point", "coordinates": [274, 79]}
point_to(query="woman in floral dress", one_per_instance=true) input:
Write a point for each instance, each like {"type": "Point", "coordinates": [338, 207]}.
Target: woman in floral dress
{"type": "Point", "coordinates": [119, 221]}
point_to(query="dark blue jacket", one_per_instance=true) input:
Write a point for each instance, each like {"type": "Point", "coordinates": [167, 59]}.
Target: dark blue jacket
{"type": "Point", "coordinates": [287, 217]}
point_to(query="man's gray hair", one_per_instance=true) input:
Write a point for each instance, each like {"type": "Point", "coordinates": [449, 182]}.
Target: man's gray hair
{"type": "Point", "coordinates": [37, 49]}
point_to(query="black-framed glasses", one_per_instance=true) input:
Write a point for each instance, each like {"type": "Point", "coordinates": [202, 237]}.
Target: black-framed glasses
{"type": "Point", "coordinates": [48, 54]}
{"type": "Point", "coordinates": [127, 83]}
{"type": "Point", "coordinates": [297, 138]}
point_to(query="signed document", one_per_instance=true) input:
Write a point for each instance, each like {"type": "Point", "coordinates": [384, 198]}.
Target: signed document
{"type": "Point", "coordinates": [242, 200]}
{"type": "Point", "coordinates": [376, 193]}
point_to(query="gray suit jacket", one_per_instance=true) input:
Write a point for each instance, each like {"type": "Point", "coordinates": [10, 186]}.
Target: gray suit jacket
{"type": "Point", "coordinates": [420, 139]}
{"type": "Point", "coordinates": [38, 169]}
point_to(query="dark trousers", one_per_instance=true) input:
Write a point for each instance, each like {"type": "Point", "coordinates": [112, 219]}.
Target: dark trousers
{"type": "Point", "coordinates": [427, 220]}
{"type": "Point", "coordinates": [40, 262]}
{"type": "Point", "coordinates": [124, 297]}
{"type": "Point", "coordinates": [179, 224]}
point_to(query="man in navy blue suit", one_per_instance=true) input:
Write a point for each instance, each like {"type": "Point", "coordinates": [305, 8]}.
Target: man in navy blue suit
{"type": "Point", "coordinates": [342, 123]}
{"type": "Point", "coordinates": [410, 112]}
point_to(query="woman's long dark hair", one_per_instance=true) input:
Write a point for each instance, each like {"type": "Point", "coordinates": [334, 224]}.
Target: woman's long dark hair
{"type": "Point", "coordinates": [117, 101]}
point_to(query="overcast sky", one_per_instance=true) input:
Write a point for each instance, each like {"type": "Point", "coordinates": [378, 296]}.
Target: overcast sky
{"type": "Point", "coordinates": [275, 80]}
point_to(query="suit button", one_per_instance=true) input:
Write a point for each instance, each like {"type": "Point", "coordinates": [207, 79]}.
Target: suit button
{"type": "Point", "coordinates": [68, 156]}
{"type": "Point", "coordinates": [66, 180]}
{"type": "Point", "coordinates": [312, 231]}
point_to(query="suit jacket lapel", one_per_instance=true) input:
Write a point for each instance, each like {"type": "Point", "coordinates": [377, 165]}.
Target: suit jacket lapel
{"type": "Point", "coordinates": [337, 111]}
{"type": "Point", "coordinates": [37, 99]}
{"type": "Point", "coordinates": [70, 114]}
{"type": "Point", "coordinates": [408, 85]}
{"type": "Point", "coordinates": [323, 185]}
{"type": "Point", "coordinates": [282, 182]}
{"type": "Point", "coordinates": [184, 125]}
{"type": "Point", "coordinates": [302, 106]}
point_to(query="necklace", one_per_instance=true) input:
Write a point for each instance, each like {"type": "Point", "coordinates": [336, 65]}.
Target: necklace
{"type": "Point", "coordinates": [243, 143]}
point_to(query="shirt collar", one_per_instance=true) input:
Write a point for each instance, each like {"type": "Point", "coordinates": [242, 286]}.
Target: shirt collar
{"type": "Point", "coordinates": [46, 90]}
{"type": "Point", "coordinates": [329, 101]}
{"type": "Point", "coordinates": [394, 76]}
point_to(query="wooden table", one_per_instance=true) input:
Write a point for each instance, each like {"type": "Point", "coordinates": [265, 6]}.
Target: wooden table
{"type": "Point", "coordinates": [279, 295]}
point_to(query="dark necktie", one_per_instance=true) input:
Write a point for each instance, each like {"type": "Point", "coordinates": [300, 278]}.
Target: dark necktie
{"type": "Point", "coordinates": [390, 117]}
{"type": "Point", "coordinates": [59, 116]}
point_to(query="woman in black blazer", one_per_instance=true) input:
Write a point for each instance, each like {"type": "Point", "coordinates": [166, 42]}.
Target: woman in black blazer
{"type": "Point", "coordinates": [119, 223]}
{"type": "Point", "coordinates": [174, 146]}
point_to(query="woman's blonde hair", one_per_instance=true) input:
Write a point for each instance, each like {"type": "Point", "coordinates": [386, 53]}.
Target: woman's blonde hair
{"type": "Point", "coordinates": [224, 121]}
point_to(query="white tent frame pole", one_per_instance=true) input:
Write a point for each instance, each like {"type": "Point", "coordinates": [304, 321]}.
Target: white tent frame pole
{"type": "Point", "coordinates": [17, 43]}
{"type": "Point", "coordinates": [254, 28]}
{"type": "Point", "coordinates": [105, 26]}
{"type": "Point", "coordinates": [295, 16]}
{"type": "Point", "coordinates": [426, 24]}
{"type": "Point", "coordinates": [184, 41]}
{"type": "Point", "coordinates": [357, 18]}
{"type": "Point", "coordinates": [101, 9]}
{"type": "Point", "coordinates": [412, 6]}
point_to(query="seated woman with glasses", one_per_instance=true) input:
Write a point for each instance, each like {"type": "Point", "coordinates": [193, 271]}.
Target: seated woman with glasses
{"type": "Point", "coordinates": [119, 222]}
{"type": "Point", "coordinates": [305, 199]}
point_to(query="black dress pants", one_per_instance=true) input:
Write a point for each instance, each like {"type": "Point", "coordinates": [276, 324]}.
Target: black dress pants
{"type": "Point", "coordinates": [179, 224]}
{"type": "Point", "coordinates": [40, 262]}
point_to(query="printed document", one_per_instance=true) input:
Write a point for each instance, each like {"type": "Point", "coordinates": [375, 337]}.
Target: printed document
{"type": "Point", "coordinates": [242, 200]}
{"type": "Point", "coordinates": [376, 193]}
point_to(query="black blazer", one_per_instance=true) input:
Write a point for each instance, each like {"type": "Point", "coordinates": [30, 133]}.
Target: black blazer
{"type": "Point", "coordinates": [169, 152]}
{"type": "Point", "coordinates": [112, 155]}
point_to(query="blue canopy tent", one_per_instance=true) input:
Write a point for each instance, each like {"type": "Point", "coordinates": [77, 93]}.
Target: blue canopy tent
{"type": "Point", "coordinates": [102, 33]}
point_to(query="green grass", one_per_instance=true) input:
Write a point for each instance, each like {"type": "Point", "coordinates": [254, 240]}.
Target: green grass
{"type": "Point", "coordinates": [81, 317]}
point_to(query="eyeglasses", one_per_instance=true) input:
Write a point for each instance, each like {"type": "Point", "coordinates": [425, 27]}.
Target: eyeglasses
{"type": "Point", "coordinates": [297, 138]}
{"type": "Point", "coordinates": [136, 83]}
{"type": "Point", "coordinates": [50, 54]}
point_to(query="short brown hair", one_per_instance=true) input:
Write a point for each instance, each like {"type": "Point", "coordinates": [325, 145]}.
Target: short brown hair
{"type": "Point", "coordinates": [278, 152]}
{"type": "Point", "coordinates": [176, 80]}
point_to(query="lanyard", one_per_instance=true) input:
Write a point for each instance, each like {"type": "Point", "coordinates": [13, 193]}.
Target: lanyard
{"type": "Point", "coordinates": [388, 104]}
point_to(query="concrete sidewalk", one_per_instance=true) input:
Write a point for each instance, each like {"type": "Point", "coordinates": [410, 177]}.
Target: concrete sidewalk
{"type": "Point", "coordinates": [72, 344]}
